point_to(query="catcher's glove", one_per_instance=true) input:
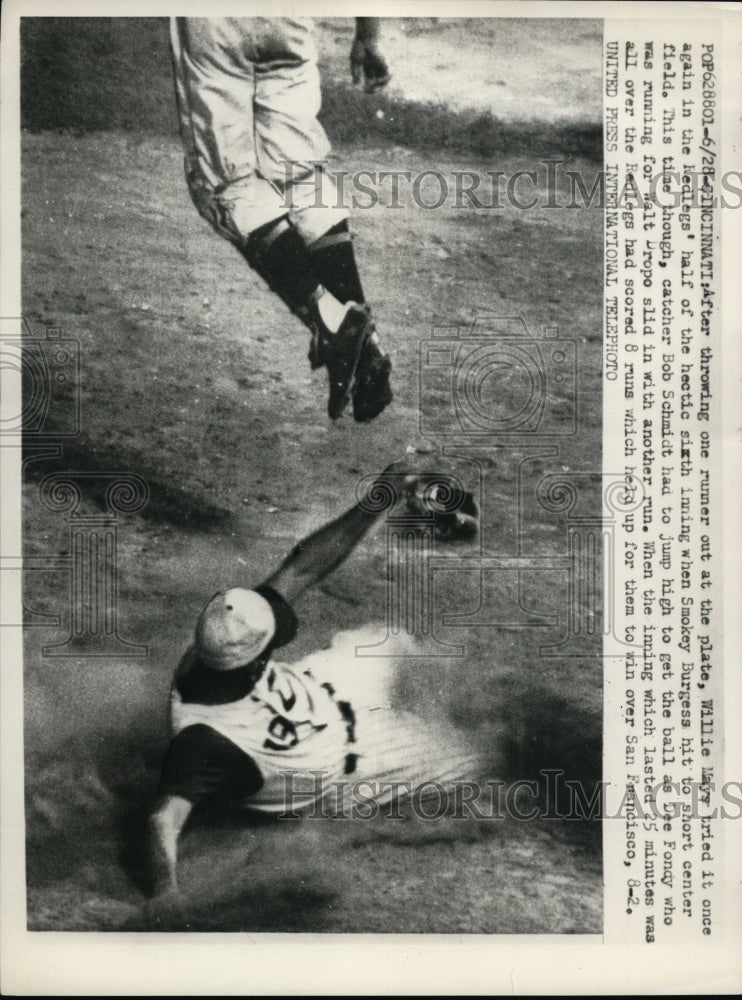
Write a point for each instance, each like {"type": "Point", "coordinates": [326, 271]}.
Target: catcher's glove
{"type": "Point", "coordinates": [442, 496]}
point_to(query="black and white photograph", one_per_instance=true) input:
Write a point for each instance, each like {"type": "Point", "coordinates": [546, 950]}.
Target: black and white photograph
{"type": "Point", "coordinates": [317, 552]}
{"type": "Point", "coordinates": [296, 508]}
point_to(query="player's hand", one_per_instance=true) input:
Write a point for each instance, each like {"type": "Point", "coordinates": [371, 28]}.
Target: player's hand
{"type": "Point", "coordinates": [368, 65]}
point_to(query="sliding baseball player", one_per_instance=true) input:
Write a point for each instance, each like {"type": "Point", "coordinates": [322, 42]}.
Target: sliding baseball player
{"type": "Point", "coordinates": [276, 738]}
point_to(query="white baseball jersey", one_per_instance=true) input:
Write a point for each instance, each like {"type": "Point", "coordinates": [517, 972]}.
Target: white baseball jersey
{"type": "Point", "coordinates": [289, 722]}
{"type": "Point", "coordinates": [324, 724]}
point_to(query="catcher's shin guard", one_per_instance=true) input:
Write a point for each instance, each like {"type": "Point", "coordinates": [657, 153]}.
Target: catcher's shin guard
{"type": "Point", "coordinates": [334, 263]}
{"type": "Point", "coordinates": [278, 254]}
{"type": "Point", "coordinates": [453, 509]}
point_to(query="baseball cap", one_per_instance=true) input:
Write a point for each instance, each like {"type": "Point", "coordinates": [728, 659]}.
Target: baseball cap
{"type": "Point", "coordinates": [234, 627]}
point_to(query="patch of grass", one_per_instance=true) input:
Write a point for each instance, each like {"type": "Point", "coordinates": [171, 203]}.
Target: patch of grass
{"type": "Point", "coordinates": [349, 117]}
{"type": "Point", "coordinates": [98, 74]}
{"type": "Point", "coordinates": [83, 74]}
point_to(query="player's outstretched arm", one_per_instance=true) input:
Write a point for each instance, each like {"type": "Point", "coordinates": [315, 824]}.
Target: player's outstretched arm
{"type": "Point", "coordinates": [320, 553]}
{"type": "Point", "coordinates": [367, 64]}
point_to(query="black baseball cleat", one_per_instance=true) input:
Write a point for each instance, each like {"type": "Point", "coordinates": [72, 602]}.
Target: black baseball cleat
{"type": "Point", "coordinates": [372, 392]}
{"type": "Point", "coordinates": [317, 348]}
{"type": "Point", "coordinates": [342, 352]}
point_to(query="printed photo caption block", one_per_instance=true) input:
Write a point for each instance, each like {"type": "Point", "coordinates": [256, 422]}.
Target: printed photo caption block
{"type": "Point", "coordinates": [664, 192]}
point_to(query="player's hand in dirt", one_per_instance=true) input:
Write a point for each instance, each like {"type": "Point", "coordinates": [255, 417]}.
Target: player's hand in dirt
{"type": "Point", "coordinates": [368, 65]}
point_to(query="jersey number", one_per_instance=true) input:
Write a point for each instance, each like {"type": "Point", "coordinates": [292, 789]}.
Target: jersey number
{"type": "Point", "coordinates": [281, 729]}
{"type": "Point", "coordinates": [288, 699]}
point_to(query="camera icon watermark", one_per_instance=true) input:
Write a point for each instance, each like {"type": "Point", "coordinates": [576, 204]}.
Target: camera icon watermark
{"type": "Point", "coordinates": [48, 404]}
{"type": "Point", "coordinates": [492, 378]}
{"type": "Point", "coordinates": [92, 566]}
{"type": "Point", "coordinates": [505, 403]}
{"type": "Point", "coordinates": [41, 414]}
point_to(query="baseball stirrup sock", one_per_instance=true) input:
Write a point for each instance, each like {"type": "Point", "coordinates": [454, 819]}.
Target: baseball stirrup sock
{"type": "Point", "coordinates": [279, 255]}
{"type": "Point", "coordinates": [334, 262]}
{"type": "Point", "coordinates": [330, 310]}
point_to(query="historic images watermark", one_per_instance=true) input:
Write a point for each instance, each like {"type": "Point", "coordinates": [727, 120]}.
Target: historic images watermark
{"type": "Point", "coordinates": [551, 796]}
{"type": "Point", "coordinates": [552, 185]}
{"type": "Point", "coordinates": [48, 415]}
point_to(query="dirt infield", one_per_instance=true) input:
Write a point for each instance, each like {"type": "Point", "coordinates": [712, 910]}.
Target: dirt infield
{"type": "Point", "coordinates": [196, 380]}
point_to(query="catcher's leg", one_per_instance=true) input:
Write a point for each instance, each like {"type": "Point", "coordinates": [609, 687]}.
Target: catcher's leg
{"type": "Point", "coordinates": [248, 96]}
{"type": "Point", "coordinates": [292, 150]}
{"type": "Point", "coordinates": [334, 261]}
{"type": "Point", "coordinates": [279, 254]}
{"type": "Point", "coordinates": [335, 264]}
